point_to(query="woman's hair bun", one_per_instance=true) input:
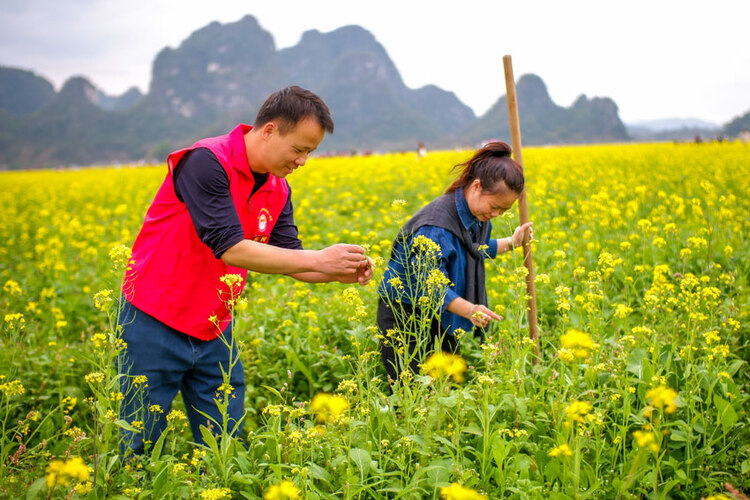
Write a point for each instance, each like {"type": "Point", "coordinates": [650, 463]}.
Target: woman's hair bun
{"type": "Point", "coordinates": [498, 148]}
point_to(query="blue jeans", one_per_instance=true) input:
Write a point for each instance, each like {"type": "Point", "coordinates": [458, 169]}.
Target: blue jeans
{"type": "Point", "coordinates": [173, 361]}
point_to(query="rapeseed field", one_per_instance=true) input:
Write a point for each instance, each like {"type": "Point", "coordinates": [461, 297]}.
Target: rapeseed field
{"type": "Point", "coordinates": [640, 389]}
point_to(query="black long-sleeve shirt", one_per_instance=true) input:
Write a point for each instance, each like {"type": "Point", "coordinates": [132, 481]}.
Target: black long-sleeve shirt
{"type": "Point", "coordinates": [202, 184]}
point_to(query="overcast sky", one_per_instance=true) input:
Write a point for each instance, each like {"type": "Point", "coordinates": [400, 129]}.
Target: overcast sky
{"type": "Point", "coordinates": [655, 58]}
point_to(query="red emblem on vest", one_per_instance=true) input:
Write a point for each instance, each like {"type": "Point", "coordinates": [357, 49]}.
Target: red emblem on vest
{"type": "Point", "coordinates": [263, 218]}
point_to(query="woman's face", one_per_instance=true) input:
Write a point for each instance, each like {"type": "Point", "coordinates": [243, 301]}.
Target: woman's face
{"type": "Point", "coordinates": [485, 206]}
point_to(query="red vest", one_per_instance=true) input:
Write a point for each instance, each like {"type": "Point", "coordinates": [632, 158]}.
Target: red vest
{"type": "Point", "coordinates": [175, 277]}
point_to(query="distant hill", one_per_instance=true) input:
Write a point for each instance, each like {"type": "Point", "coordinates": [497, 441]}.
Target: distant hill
{"type": "Point", "coordinates": [22, 92]}
{"type": "Point", "coordinates": [544, 122]}
{"type": "Point", "coordinates": [673, 124]}
{"type": "Point", "coordinates": [736, 126]}
{"type": "Point", "coordinates": [220, 75]}
{"type": "Point", "coordinates": [673, 129]}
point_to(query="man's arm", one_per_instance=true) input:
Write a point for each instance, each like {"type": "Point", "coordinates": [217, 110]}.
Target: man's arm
{"type": "Point", "coordinates": [338, 260]}
{"type": "Point", "coordinates": [362, 276]}
{"type": "Point", "coordinates": [202, 184]}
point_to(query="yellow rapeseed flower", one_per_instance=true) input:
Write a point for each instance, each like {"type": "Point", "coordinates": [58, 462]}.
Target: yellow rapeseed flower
{"type": "Point", "coordinates": [12, 287]}
{"type": "Point", "coordinates": [216, 493]}
{"type": "Point", "coordinates": [445, 364]}
{"type": "Point", "coordinates": [622, 311]}
{"type": "Point", "coordinates": [12, 388]}
{"type": "Point", "coordinates": [328, 408]}
{"type": "Point", "coordinates": [457, 492]}
{"type": "Point", "coordinates": [349, 386]}
{"type": "Point", "coordinates": [437, 281]}
{"type": "Point", "coordinates": [102, 299]}
{"type": "Point", "coordinates": [662, 397]}
{"type": "Point", "coordinates": [94, 378]}
{"type": "Point", "coordinates": [83, 488]}
{"type": "Point", "coordinates": [176, 416]}
{"type": "Point", "coordinates": [62, 472]}
{"type": "Point", "coordinates": [561, 451]}
{"type": "Point", "coordinates": [578, 343]}
{"type": "Point", "coordinates": [120, 256]}
{"type": "Point", "coordinates": [15, 321]}
{"type": "Point", "coordinates": [424, 245]}
{"type": "Point", "coordinates": [718, 496]}
{"type": "Point", "coordinates": [645, 439]}
{"type": "Point", "coordinates": [285, 490]}
{"type": "Point", "coordinates": [578, 410]}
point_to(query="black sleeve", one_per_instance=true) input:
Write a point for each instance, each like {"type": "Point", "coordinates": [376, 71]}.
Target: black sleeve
{"type": "Point", "coordinates": [285, 234]}
{"type": "Point", "coordinates": [201, 182]}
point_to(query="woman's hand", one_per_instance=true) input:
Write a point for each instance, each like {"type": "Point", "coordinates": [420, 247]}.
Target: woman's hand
{"type": "Point", "coordinates": [481, 316]}
{"type": "Point", "coordinates": [521, 234]}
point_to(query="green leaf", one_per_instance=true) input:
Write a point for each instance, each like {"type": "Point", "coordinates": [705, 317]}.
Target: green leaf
{"type": "Point", "coordinates": [727, 414]}
{"type": "Point", "coordinates": [472, 429]}
{"type": "Point", "coordinates": [521, 407]}
{"type": "Point", "coordinates": [439, 471]}
{"type": "Point", "coordinates": [210, 440]}
{"type": "Point", "coordinates": [158, 447]}
{"type": "Point", "coordinates": [449, 401]}
{"type": "Point", "coordinates": [500, 451]}
{"type": "Point", "coordinates": [123, 424]}
{"type": "Point", "coordinates": [36, 487]}
{"type": "Point", "coordinates": [292, 357]}
{"type": "Point", "coordinates": [161, 478]}
{"type": "Point", "coordinates": [362, 459]}
{"type": "Point", "coordinates": [318, 472]}
{"type": "Point", "coordinates": [677, 435]}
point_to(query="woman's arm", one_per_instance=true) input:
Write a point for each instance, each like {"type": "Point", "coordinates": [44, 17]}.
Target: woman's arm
{"type": "Point", "coordinates": [520, 235]}
{"type": "Point", "coordinates": [478, 314]}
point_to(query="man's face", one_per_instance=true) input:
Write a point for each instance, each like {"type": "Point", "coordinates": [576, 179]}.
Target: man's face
{"type": "Point", "coordinates": [285, 152]}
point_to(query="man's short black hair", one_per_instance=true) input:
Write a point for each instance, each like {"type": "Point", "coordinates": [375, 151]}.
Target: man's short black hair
{"type": "Point", "coordinates": [290, 105]}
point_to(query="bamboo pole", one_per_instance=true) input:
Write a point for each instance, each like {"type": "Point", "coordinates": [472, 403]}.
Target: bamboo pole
{"type": "Point", "coordinates": [523, 211]}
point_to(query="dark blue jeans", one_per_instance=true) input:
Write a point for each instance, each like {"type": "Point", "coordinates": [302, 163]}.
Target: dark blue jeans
{"type": "Point", "coordinates": [171, 362]}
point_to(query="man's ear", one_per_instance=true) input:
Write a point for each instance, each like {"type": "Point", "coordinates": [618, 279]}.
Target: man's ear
{"type": "Point", "coordinates": [269, 129]}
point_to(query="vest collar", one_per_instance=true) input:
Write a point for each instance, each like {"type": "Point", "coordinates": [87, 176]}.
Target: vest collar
{"type": "Point", "coordinates": [239, 152]}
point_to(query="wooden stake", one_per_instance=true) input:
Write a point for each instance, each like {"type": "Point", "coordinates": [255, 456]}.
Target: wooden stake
{"type": "Point", "coordinates": [523, 211]}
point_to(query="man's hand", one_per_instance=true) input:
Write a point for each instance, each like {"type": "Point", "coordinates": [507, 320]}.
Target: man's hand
{"type": "Point", "coordinates": [362, 275]}
{"type": "Point", "coordinates": [341, 259]}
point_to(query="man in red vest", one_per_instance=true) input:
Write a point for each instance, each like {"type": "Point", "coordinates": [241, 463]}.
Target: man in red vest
{"type": "Point", "coordinates": [224, 208]}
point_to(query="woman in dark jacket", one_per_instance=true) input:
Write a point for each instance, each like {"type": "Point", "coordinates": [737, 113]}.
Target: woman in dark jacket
{"type": "Point", "coordinates": [434, 286]}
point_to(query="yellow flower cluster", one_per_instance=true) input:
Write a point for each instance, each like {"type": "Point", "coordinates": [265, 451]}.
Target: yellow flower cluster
{"type": "Point", "coordinates": [562, 450]}
{"type": "Point", "coordinates": [425, 248]}
{"type": "Point", "coordinates": [11, 388]}
{"type": "Point", "coordinates": [357, 310]}
{"type": "Point", "coordinates": [328, 408]}
{"type": "Point", "coordinates": [578, 411]}
{"type": "Point", "coordinates": [662, 397]}
{"type": "Point", "coordinates": [285, 490]}
{"type": "Point", "coordinates": [216, 493]}
{"type": "Point", "coordinates": [457, 492]}
{"type": "Point", "coordinates": [15, 321]}
{"type": "Point", "coordinates": [437, 281]}
{"type": "Point", "coordinates": [719, 496]}
{"type": "Point", "coordinates": [94, 378]}
{"type": "Point", "coordinates": [576, 345]}
{"type": "Point", "coordinates": [646, 439]}
{"type": "Point", "coordinates": [445, 364]}
{"type": "Point", "coordinates": [61, 472]}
